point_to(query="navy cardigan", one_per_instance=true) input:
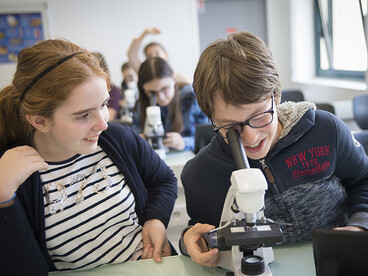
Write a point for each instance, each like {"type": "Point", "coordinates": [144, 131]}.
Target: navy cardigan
{"type": "Point", "coordinates": [22, 227]}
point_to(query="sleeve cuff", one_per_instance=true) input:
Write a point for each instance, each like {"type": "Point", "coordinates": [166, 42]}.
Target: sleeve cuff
{"type": "Point", "coordinates": [359, 219]}
{"type": "Point", "coordinates": [189, 143]}
{"type": "Point", "coordinates": [182, 247]}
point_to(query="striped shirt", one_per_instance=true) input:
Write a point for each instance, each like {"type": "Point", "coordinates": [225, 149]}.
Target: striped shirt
{"type": "Point", "coordinates": [90, 214]}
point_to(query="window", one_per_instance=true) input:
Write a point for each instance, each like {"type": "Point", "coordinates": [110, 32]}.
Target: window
{"type": "Point", "coordinates": [341, 42]}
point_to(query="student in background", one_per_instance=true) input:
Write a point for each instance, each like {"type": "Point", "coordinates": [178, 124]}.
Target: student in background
{"type": "Point", "coordinates": [129, 94]}
{"type": "Point", "coordinates": [76, 192]}
{"type": "Point", "coordinates": [317, 172]}
{"type": "Point", "coordinates": [179, 109]}
{"type": "Point", "coordinates": [129, 76]}
{"type": "Point", "coordinates": [115, 92]}
{"type": "Point", "coordinates": [152, 49]}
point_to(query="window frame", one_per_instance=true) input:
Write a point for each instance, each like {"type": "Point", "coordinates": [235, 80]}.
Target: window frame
{"type": "Point", "coordinates": [330, 73]}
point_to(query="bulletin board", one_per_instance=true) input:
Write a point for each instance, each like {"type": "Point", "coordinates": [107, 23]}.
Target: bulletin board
{"type": "Point", "coordinates": [19, 28]}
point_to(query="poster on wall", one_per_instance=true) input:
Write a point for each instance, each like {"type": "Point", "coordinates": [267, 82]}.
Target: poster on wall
{"type": "Point", "coordinates": [19, 30]}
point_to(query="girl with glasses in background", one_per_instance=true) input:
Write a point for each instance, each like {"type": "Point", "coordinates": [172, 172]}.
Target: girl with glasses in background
{"type": "Point", "coordinates": [180, 112]}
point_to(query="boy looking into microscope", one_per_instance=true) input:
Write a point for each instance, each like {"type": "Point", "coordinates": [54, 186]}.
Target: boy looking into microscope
{"type": "Point", "coordinates": [317, 172]}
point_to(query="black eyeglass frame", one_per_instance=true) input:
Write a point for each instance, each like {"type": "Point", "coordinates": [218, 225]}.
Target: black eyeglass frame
{"type": "Point", "coordinates": [247, 122]}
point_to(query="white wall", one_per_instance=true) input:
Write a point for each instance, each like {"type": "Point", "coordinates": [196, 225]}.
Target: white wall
{"type": "Point", "coordinates": [108, 26]}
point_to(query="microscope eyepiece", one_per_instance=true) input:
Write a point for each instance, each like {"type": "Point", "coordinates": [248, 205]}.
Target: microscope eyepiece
{"type": "Point", "coordinates": [237, 149]}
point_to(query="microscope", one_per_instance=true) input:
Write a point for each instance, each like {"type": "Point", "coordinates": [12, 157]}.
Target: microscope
{"type": "Point", "coordinates": [154, 129]}
{"type": "Point", "coordinates": [245, 235]}
{"type": "Point", "coordinates": [130, 97]}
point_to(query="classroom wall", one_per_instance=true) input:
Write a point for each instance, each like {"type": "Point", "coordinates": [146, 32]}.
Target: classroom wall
{"type": "Point", "coordinates": [235, 15]}
{"type": "Point", "coordinates": [109, 26]}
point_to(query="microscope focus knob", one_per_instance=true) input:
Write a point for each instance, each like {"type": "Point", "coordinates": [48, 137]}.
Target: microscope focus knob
{"type": "Point", "coordinates": [252, 265]}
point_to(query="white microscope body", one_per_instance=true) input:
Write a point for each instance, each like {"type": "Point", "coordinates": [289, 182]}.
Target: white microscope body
{"type": "Point", "coordinates": [154, 130]}
{"type": "Point", "coordinates": [130, 97]}
{"type": "Point", "coordinates": [242, 221]}
{"type": "Point", "coordinates": [247, 188]}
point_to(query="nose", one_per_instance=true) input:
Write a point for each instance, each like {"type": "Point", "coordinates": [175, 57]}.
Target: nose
{"type": "Point", "coordinates": [101, 120]}
{"type": "Point", "coordinates": [249, 135]}
{"type": "Point", "coordinates": [160, 97]}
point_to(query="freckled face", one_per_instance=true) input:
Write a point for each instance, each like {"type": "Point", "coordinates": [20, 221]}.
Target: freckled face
{"type": "Point", "coordinates": [78, 122]}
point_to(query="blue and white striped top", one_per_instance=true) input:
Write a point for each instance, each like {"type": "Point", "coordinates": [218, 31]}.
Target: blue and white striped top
{"type": "Point", "coordinates": [90, 214]}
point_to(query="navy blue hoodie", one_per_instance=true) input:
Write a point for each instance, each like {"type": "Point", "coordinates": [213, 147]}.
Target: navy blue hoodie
{"type": "Point", "coordinates": [320, 175]}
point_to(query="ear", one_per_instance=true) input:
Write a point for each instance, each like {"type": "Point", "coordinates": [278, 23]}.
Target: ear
{"type": "Point", "coordinates": [175, 79]}
{"type": "Point", "coordinates": [40, 123]}
{"type": "Point", "coordinates": [277, 99]}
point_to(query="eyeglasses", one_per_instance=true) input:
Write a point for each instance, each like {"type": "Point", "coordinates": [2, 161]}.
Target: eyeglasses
{"type": "Point", "coordinates": [259, 120]}
{"type": "Point", "coordinates": [164, 90]}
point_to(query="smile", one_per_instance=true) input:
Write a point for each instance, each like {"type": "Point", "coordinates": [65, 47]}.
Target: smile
{"type": "Point", "coordinates": [254, 146]}
{"type": "Point", "coordinates": [92, 138]}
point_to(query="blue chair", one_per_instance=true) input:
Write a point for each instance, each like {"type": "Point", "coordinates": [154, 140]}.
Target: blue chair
{"type": "Point", "coordinates": [292, 95]}
{"type": "Point", "coordinates": [203, 136]}
{"type": "Point", "coordinates": [326, 106]}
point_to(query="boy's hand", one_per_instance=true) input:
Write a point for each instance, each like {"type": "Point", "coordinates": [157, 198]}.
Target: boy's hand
{"type": "Point", "coordinates": [197, 247]}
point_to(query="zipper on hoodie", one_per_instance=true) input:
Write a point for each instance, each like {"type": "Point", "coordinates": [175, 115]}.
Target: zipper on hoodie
{"type": "Point", "coordinates": [271, 179]}
{"type": "Point", "coordinates": [274, 188]}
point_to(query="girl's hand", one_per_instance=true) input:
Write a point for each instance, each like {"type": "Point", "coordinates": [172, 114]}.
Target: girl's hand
{"type": "Point", "coordinates": [155, 243]}
{"type": "Point", "coordinates": [151, 31]}
{"type": "Point", "coordinates": [174, 140]}
{"type": "Point", "coordinates": [16, 165]}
